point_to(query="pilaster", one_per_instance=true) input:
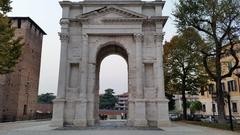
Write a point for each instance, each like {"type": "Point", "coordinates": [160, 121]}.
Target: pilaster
{"type": "Point", "coordinates": [139, 67]}
{"type": "Point", "coordinates": [81, 104]}
{"type": "Point", "coordinates": [64, 37]}
{"type": "Point", "coordinates": [159, 65]}
{"type": "Point", "coordinates": [84, 64]}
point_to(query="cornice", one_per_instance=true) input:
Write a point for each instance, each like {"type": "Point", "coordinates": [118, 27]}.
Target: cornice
{"type": "Point", "coordinates": [111, 8]}
{"type": "Point", "coordinates": [161, 19]}
{"type": "Point", "coordinates": [107, 2]}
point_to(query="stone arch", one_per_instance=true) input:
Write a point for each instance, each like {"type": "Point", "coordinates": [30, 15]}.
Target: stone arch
{"type": "Point", "coordinates": [86, 40]}
{"type": "Point", "coordinates": [109, 48]}
{"type": "Point", "coordinates": [103, 51]}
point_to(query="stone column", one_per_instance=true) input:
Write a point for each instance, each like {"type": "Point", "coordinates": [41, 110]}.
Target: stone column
{"type": "Point", "coordinates": [160, 72]}
{"type": "Point", "coordinates": [58, 108]}
{"type": "Point", "coordinates": [84, 64]}
{"type": "Point", "coordinates": [90, 94]}
{"type": "Point", "coordinates": [140, 105]}
{"type": "Point", "coordinates": [139, 81]}
{"type": "Point", "coordinates": [162, 102]}
{"type": "Point", "coordinates": [81, 104]}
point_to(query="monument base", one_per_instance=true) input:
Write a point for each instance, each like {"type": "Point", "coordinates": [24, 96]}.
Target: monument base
{"type": "Point", "coordinates": [140, 123]}
{"type": "Point", "coordinates": [80, 123]}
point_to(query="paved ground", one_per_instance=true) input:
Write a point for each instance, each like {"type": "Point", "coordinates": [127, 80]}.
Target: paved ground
{"type": "Point", "coordinates": [106, 128]}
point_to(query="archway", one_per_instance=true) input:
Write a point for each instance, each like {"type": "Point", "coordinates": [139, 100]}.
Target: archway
{"type": "Point", "coordinates": [111, 49]}
{"type": "Point", "coordinates": [92, 30]}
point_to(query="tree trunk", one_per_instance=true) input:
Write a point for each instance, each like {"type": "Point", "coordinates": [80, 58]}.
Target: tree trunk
{"type": "Point", "coordinates": [220, 92]}
{"type": "Point", "coordinates": [220, 102]}
{"type": "Point", "coordinates": [184, 100]}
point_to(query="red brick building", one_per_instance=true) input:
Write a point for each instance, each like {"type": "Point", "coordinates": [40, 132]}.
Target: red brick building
{"type": "Point", "coordinates": [19, 89]}
{"type": "Point", "coordinates": [44, 111]}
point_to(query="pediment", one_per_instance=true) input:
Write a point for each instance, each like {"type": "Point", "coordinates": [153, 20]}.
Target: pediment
{"type": "Point", "coordinates": [110, 12]}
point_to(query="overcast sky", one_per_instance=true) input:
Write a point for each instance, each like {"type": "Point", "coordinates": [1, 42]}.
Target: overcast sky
{"type": "Point", "coordinates": [47, 13]}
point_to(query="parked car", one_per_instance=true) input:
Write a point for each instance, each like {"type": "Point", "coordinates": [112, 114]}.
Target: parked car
{"type": "Point", "coordinates": [209, 119]}
{"type": "Point", "coordinates": [194, 117]}
{"type": "Point", "coordinates": [174, 117]}
{"type": "Point", "coordinates": [234, 120]}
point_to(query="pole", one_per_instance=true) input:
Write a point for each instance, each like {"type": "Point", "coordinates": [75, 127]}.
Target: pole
{"type": "Point", "coordinates": [230, 110]}
{"type": "Point", "coordinates": [212, 105]}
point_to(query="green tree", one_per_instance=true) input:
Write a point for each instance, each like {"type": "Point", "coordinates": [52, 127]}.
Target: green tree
{"type": "Point", "coordinates": [46, 98]}
{"type": "Point", "coordinates": [10, 48]}
{"type": "Point", "coordinates": [195, 106]}
{"type": "Point", "coordinates": [108, 100]}
{"type": "Point", "coordinates": [218, 21]}
{"type": "Point", "coordinates": [182, 65]}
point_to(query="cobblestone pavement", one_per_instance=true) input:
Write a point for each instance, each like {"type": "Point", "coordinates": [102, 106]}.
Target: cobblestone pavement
{"type": "Point", "coordinates": [106, 128]}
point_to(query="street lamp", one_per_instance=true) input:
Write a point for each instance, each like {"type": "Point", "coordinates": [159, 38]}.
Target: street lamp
{"type": "Point", "coordinates": [229, 109]}
{"type": "Point", "coordinates": [237, 73]}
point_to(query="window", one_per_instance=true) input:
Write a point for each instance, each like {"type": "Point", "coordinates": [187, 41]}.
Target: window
{"type": "Point", "coordinates": [223, 86]}
{"type": "Point", "coordinates": [232, 85]}
{"type": "Point", "coordinates": [210, 88]}
{"type": "Point", "coordinates": [19, 23]}
{"type": "Point", "coordinates": [24, 109]}
{"type": "Point", "coordinates": [204, 108]}
{"type": "Point", "coordinates": [234, 107]}
{"type": "Point", "coordinates": [213, 107]}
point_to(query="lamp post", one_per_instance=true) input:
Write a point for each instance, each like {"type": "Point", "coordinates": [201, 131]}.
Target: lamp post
{"type": "Point", "coordinates": [237, 73]}
{"type": "Point", "coordinates": [229, 109]}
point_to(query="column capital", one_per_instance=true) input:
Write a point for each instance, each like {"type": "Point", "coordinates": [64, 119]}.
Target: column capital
{"type": "Point", "coordinates": [85, 36]}
{"type": "Point", "coordinates": [64, 21]}
{"type": "Point", "coordinates": [64, 37]}
{"type": "Point", "coordinates": [138, 37]}
{"type": "Point", "coordinates": [159, 37]}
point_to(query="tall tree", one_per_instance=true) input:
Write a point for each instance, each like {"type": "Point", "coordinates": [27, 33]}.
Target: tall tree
{"type": "Point", "coordinates": [219, 24]}
{"type": "Point", "coordinates": [46, 98]}
{"type": "Point", "coordinates": [108, 100]}
{"type": "Point", "coordinates": [182, 65]}
{"type": "Point", "coordinates": [195, 106]}
{"type": "Point", "coordinates": [10, 48]}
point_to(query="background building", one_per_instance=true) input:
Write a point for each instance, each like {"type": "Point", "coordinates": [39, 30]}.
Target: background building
{"type": "Point", "coordinates": [230, 84]}
{"type": "Point", "coordinates": [178, 102]}
{"type": "Point", "coordinates": [122, 103]}
{"type": "Point", "coordinates": [120, 111]}
{"type": "Point", "coordinates": [207, 96]}
{"type": "Point", "coordinates": [19, 89]}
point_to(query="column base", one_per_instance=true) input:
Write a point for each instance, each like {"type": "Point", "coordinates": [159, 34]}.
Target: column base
{"type": "Point", "coordinates": [165, 123]}
{"type": "Point", "coordinates": [58, 113]}
{"type": "Point", "coordinates": [91, 122]}
{"type": "Point", "coordinates": [80, 123]}
{"type": "Point", "coordinates": [130, 123]}
{"type": "Point", "coordinates": [163, 118]}
{"type": "Point", "coordinates": [140, 123]}
{"type": "Point", "coordinates": [57, 123]}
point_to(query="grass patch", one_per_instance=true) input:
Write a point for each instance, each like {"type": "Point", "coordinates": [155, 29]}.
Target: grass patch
{"type": "Point", "coordinates": [214, 125]}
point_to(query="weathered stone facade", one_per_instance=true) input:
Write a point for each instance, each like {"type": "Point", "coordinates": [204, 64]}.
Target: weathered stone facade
{"type": "Point", "coordinates": [19, 89]}
{"type": "Point", "coordinates": [94, 29]}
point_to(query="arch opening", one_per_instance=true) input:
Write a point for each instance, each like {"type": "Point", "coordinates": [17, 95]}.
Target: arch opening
{"type": "Point", "coordinates": [114, 60]}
